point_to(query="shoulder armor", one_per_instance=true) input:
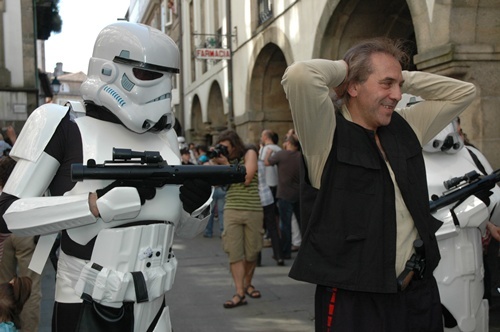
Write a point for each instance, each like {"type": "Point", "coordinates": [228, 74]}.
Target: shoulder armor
{"type": "Point", "coordinates": [76, 109]}
{"type": "Point", "coordinates": [37, 131]}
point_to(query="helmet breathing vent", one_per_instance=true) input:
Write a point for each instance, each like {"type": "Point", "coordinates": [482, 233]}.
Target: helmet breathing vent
{"type": "Point", "coordinates": [165, 122]}
{"type": "Point", "coordinates": [127, 83]}
{"type": "Point", "coordinates": [115, 95]}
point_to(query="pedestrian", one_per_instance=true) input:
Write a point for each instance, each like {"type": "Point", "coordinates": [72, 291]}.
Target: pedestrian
{"type": "Point", "coordinates": [267, 143]}
{"type": "Point", "coordinates": [193, 156]}
{"type": "Point", "coordinates": [268, 180]}
{"type": "Point", "coordinates": [371, 202]}
{"type": "Point", "coordinates": [185, 157]}
{"type": "Point", "coordinates": [202, 151]}
{"type": "Point", "coordinates": [288, 162]}
{"type": "Point", "coordinates": [218, 197]}
{"type": "Point", "coordinates": [268, 209]}
{"type": "Point", "coordinates": [13, 296]}
{"type": "Point", "coordinates": [243, 233]}
{"type": "Point", "coordinates": [16, 253]}
{"type": "Point", "coordinates": [6, 166]}
{"type": "Point", "coordinates": [217, 210]}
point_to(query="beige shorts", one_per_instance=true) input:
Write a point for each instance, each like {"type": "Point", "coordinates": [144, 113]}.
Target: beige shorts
{"type": "Point", "coordinates": [243, 234]}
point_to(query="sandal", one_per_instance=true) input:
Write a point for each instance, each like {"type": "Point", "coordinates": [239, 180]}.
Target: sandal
{"type": "Point", "coordinates": [231, 304]}
{"type": "Point", "coordinates": [254, 294]}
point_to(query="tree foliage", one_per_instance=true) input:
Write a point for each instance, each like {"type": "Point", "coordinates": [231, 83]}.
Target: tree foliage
{"type": "Point", "coordinates": [47, 18]}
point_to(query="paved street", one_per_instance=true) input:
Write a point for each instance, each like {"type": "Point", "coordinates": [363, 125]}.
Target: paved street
{"type": "Point", "coordinates": [203, 283]}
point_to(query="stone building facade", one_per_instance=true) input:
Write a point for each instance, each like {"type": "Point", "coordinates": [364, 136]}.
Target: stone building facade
{"type": "Point", "coordinates": [19, 83]}
{"type": "Point", "coordinates": [459, 39]}
{"type": "Point", "coordinates": [70, 87]}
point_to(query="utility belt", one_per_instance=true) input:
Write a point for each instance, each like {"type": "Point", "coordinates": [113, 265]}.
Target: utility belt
{"type": "Point", "coordinates": [110, 286]}
{"type": "Point", "coordinates": [414, 268]}
{"type": "Point", "coordinates": [132, 264]}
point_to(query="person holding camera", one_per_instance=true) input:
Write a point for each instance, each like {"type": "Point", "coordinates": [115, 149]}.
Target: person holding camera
{"type": "Point", "coordinates": [242, 236]}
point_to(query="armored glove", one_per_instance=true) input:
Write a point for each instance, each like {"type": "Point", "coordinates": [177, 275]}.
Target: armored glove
{"type": "Point", "coordinates": [194, 193]}
{"type": "Point", "coordinates": [119, 203]}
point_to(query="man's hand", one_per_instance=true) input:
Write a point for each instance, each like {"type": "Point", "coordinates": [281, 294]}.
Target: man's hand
{"type": "Point", "coordinates": [269, 152]}
{"type": "Point", "coordinates": [9, 135]}
{"type": "Point", "coordinates": [494, 230]}
{"type": "Point", "coordinates": [194, 193]}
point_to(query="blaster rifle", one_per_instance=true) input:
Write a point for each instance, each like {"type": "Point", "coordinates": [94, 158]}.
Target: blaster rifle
{"type": "Point", "coordinates": [462, 187]}
{"type": "Point", "coordinates": [148, 169]}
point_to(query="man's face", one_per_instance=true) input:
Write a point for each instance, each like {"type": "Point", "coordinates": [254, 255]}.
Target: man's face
{"type": "Point", "coordinates": [373, 101]}
{"type": "Point", "coordinates": [263, 137]}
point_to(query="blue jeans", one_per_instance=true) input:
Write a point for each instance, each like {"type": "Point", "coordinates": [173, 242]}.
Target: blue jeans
{"type": "Point", "coordinates": [219, 200]}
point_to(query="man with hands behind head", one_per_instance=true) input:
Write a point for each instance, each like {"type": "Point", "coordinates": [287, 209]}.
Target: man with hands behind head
{"type": "Point", "coordinates": [371, 201]}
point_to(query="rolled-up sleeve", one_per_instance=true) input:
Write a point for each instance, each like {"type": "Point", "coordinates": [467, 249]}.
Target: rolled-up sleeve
{"type": "Point", "coordinates": [307, 86]}
{"type": "Point", "coordinates": [444, 99]}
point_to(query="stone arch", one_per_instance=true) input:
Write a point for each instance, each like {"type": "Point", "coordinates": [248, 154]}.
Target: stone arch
{"type": "Point", "coordinates": [215, 108]}
{"type": "Point", "coordinates": [198, 128]}
{"type": "Point", "coordinates": [350, 21]}
{"type": "Point", "coordinates": [267, 99]}
{"type": "Point", "coordinates": [271, 47]}
{"type": "Point", "coordinates": [217, 120]}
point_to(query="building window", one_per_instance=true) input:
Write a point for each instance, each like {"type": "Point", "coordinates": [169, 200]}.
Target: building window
{"type": "Point", "coordinates": [265, 10]}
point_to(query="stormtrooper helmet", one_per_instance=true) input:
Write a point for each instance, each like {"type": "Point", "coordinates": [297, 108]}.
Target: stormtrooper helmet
{"type": "Point", "coordinates": [130, 74]}
{"type": "Point", "coordinates": [448, 140]}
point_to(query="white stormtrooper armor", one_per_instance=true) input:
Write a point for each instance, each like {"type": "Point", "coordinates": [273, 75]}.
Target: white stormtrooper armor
{"type": "Point", "coordinates": [460, 272]}
{"type": "Point", "coordinates": [130, 74]}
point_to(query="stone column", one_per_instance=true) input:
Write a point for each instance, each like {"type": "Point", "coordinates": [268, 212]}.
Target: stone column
{"type": "Point", "coordinates": [4, 72]}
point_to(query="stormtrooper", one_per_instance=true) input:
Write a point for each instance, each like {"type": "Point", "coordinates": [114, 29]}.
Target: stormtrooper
{"type": "Point", "coordinates": [116, 261]}
{"type": "Point", "coordinates": [460, 273]}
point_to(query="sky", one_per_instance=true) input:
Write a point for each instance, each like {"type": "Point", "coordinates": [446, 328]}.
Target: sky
{"type": "Point", "coordinates": [82, 22]}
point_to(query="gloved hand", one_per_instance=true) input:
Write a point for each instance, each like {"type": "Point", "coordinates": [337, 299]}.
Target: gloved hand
{"type": "Point", "coordinates": [484, 196]}
{"type": "Point", "coordinates": [194, 193]}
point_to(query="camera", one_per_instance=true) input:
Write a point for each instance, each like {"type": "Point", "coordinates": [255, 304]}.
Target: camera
{"type": "Point", "coordinates": [218, 150]}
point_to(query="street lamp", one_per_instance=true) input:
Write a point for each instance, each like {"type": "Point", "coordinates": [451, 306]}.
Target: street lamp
{"type": "Point", "coordinates": [56, 85]}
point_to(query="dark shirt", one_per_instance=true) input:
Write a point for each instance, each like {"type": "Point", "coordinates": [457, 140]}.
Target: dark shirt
{"type": "Point", "coordinates": [288, 162]}
{"type": "Point", "coordinates": [350, 239]}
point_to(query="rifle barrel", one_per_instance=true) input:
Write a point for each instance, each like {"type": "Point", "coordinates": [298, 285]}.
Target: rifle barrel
{"type": "Point", "coordinates": [484, 183]}
{"type": "Point", "coordinates": [166, 174]}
